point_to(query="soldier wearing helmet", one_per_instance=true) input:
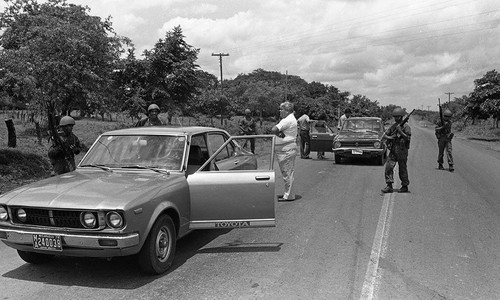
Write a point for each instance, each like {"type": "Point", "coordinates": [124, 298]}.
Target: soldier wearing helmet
{"type": "Point", "coordinates": [248, 126]}
{"type": "Point", "coordinates": [444, 136]}
{"type": "Point", "coordinates": [152, 119]}
{"type": "Point", "coordinates": [62, 153]}
{"type": "Point", "coordinates": [398, 136]}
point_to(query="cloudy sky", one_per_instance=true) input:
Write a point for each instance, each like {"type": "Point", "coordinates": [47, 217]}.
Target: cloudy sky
{"type": "Point", "coordinates": [402, 52]}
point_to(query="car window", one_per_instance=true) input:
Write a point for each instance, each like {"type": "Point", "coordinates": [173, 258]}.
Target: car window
{"type": "Point", "coordinates": [215, 141]}
{"type": "Point", "coordinates": [154, 151]}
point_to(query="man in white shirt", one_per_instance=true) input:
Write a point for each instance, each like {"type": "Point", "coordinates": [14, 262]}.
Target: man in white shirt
{"type": "Point", "coordinates": [343, 118]}
{"type": "Point", "coordinates": [286, 148]}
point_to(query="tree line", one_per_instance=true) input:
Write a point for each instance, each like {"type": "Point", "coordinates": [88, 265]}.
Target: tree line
{"type": "Point", "coordinates": [55, 54]}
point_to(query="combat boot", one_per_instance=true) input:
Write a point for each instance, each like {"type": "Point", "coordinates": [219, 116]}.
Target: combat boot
{"type": "Point", "coordinates": [403, 189]}
{"type": "Point", "coordinates": [451, 168]}
{"type": "Point", "coordinates": [388, 189]}
{"type": "Point", "coordinates": [440, 167]}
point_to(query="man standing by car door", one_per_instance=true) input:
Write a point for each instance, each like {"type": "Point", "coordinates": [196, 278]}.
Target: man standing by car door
{"type": "Point", "coordinates": [304, 126]}
{"type": "Point", "coordinates": [286, 148]}
{"type": "Point", "coordinates": [398, 136]}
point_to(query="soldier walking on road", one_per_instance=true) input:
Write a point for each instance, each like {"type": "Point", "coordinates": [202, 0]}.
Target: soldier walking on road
{"type": "Point", "coordinates": [248, 126]}
{"type": "Point", "coordinates": [398, 136]}
{"type": "Point", "coordinates": [444, 136]}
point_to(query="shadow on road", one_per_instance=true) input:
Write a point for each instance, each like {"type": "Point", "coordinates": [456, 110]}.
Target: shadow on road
{"type": "Point", "coordinates": [117, 273]}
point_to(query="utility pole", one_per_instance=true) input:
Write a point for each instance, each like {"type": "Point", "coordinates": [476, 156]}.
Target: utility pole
{"type": "Point", "coordinates": [286, 85]}
{"type": "Point", "coordinates": [220, 55]}
{"type": "Point", "coordinates": [449, 95]}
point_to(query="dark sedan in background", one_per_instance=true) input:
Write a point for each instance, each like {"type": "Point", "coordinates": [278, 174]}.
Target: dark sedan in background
{"type": "Point", "coordinates": [361, 137]}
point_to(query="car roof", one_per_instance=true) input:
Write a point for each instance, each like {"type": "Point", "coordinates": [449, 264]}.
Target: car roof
{"type": "Point", "coordinates": [164, 130]}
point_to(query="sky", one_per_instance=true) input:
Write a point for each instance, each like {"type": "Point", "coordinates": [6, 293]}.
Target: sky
{"type": "Point", "coordinates": [401, 52]}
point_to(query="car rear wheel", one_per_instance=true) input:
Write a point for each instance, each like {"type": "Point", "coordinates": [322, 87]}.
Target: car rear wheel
{"type": "Point", "coordinates": [338, 159]}
{"type": "Point", "coordinates": [34, 258]}
{"type": "Point", "coordinates": [158, 251]}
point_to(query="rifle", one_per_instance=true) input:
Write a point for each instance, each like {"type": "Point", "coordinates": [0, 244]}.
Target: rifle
{"type": "Point", "coordinates": [393, 128]}
{"type": "Point", "coordinates": [54, 135]}
{"type": "Point", "coordinates": [450, 135]}
{"type": "Point", "coordinates": [440, 112]}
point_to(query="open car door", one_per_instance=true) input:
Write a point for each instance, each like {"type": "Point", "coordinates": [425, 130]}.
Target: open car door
{"type": "Point", "coordinates": [321, 139]}
{"type": "Point", "coordinates": [228, 196]}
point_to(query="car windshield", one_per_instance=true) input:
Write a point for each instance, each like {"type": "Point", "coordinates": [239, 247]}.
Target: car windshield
{"type": "Point", "coordinates": [137, 152]}
{"type": "Point", "coordinates": [362, 125]}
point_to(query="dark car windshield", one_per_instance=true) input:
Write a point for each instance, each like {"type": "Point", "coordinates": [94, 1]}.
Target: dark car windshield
{"type": "Point", "coordinates": [151, 151]}
{"type": "Point", "coordinates": [362, 125]}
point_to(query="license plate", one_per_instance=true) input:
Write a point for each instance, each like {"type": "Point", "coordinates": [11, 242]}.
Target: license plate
{"type": "Point", "coordinates": [357, 152]}
{"type": "Point", "coordinates": [47, 242]}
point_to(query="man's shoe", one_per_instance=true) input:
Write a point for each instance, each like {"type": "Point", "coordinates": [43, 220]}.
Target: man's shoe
{"type": "Point", "coordinates": [403, 189]}
{"type": "Point", "coordinates": [440, 167]}
{"type": "Point", "coordinates": [451, 168]}
{"type": "Point", "coordinates": [387, 189]}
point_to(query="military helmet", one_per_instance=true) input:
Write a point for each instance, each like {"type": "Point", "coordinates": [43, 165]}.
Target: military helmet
{"type": "Point", "coordinates": [447, 113]}
{"type": "Point", "coordinates": [247, 111]}
{"type": "Point", "coordinates": [398, 112]}
{"type": "Point", "coordinates": [66, 120]}
{"type": "Point", "coordinates": [152, 107]}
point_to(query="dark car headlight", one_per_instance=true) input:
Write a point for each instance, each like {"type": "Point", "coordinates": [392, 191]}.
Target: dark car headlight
{"type": "Point", "coordinates": [114, 219]}
{"type": "Point", "coordinates": [337, 144]}
{"type": "Point", "coordinates": [88, 219]}
{"type": "Point", "coordinates": [21, 215]}
{"type": "Point", "coordinates": [4, 215]}
{"type": "Point", "coordinates": [376, 144]}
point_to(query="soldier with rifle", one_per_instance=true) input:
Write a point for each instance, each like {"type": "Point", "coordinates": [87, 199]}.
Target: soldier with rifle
{"type": "Point", "coordinates": [398, 138]}
{"type": "Point", "coordinates": [444, 136]}
{"type": "Point", "coordinates": [65, 145]}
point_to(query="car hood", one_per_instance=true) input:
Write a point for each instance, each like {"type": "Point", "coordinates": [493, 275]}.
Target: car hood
{"type": "Point", "coordinates": [357, 135]}
{"type": "Point", "coordinates": [92, 189]}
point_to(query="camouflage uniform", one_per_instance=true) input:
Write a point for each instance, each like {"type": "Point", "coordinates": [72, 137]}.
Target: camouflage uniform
{"type": "Point", "coordinates": [444, 136]}
{"type": "Point", "coordinates": [62, 163]}
{"type": "Point", "coordinates": [398, 154]}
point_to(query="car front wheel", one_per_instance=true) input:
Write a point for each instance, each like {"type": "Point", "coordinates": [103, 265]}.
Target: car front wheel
{"type": "Point", "coordinates": [338, 159]}
{"type": "Point", "coordinates": [158, 251]}
{"type": "Point", "coordinates": [34, 258]}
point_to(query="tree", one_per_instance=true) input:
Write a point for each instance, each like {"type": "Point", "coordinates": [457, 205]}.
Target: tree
{"type": "Point", "coordinates": [484, 101]}
{"type": "Point", "coordinates": [172, 80]}
{"type": "Point", "coordinates": [68, 54]}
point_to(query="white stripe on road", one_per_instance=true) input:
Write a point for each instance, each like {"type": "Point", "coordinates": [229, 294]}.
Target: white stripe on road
{"type": "Point", "coordinates": [378, 248]}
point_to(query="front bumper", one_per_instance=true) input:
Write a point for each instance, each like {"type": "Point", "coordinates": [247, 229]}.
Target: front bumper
{"type": "Point", "coordinates": [75, 244]}
{"type": "Point", "coordinates": [354, 152]}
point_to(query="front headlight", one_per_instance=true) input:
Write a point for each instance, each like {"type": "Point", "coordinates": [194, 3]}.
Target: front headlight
{"type": "Point", "coordinates": [4, 215]}
{"type": "Point", "coordinates": [21, 215]}
{"type": "Point", "coordinates": [88, 219]}
{"type": "Point", "coordinates": [337, 144]}
{"type": "Point", "coordinates": [114, 219]}
{"type": "Point", "coordinates": [376, 144]}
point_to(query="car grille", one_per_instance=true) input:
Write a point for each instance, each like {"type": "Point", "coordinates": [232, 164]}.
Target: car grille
{"type": "Point", "coordinates": [50, 218]}
{"type": "Point", "coordinates": [364, 144]}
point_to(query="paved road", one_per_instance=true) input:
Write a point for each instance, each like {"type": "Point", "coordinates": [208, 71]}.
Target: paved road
{"type": "Point", "coordinates": [342, 240]}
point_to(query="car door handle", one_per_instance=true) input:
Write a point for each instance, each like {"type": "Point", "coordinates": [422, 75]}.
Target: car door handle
{"type": "Point", "coordinates": [236, 162]}
{"type": "Point", "coordinates": [261, 178]}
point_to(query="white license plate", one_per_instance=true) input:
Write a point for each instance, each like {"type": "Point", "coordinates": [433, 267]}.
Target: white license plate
{"type": "Point", "coordinates": [357, 152]}
{"type": "Point", "coordinates": [47, 242]}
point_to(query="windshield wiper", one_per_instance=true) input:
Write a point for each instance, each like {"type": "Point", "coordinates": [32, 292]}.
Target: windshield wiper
{"type": "Point", "coordinates": [102, 167]}
{"type": "Point", "coordinates": [157, 170]}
